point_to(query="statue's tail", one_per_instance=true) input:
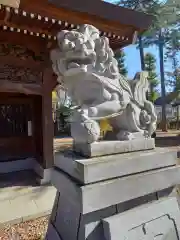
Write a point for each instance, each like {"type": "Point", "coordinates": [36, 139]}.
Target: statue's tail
{"type": "Point", "coordinates": [140, 87]}
{"type": "Point", "coordinates": [126, 85]}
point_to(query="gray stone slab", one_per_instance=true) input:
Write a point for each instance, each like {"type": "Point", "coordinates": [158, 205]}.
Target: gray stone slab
{"type": "Point", "coordinates": [159, 220]}
{"type": "Point", "coordinates": [90, 227]}
{"type": "Point", "coordinates": [38, 202]}
{"type": "Point", "coordinates": [52, 234]}
{"type": "Point", "coordinates": [123, 189]}
{"type": "Point", "coordinates": [101, 168]}
{"type": "Point", "coordinates": [55, 207]}
{"type": "Point", "coordinates": [122, 207]}
{"type": "Point", "coordinates": [69, 209]}
{"type": "Point", "coordinates": [104, 194]}
{"type": "Point", "coordinates": [104, 148]}
{"type": "Point", "coordinates": [68, 218]}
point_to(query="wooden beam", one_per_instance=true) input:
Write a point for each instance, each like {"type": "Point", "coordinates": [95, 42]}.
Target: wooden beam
{"type": "Point", "coordinates": [14, 98]}
{"type": "Point", "coordinates": [34, 43]}
{"type": "Point", "coordinates": [28, 89]}
{"type": "Point", "coordinates": [107, 11]}
{"type": "Point", "coordinates": [10, 60]}
{"type": "Point", "coordinates": [41, 27]}
{"type": "Point", "coordinates": [103, 22]}
{"type": "Point", "coordinates": [29, 29]}
{"type": "Point", "coordinates": [54, 30]}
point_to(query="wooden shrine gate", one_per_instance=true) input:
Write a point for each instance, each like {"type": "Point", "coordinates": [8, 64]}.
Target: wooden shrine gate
{"type": "Point", "coordinates": [26, 85]}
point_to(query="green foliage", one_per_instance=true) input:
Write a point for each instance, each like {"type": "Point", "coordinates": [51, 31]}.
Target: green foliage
{"type": "Point", "coordinates": [150, 67]}
{"type": "Point", "coordinates": [173, 80]}
{"type": "Point", "coordinates": [147, 6]}
{"type": "Point", "coordinates": [172, 55]}
{"type": "Point", "coordinates": [166, 17]}
{"type": "Point", "coordinates": [120, 57]}
{"type": "Point", "coordinates": [173, 44]}
{"type": "Point", "coordinates": [137, 4]}
{"type": "Point", "coordinates": [63, 113]}
{"type": "Point", "coordinates": [164, 29]}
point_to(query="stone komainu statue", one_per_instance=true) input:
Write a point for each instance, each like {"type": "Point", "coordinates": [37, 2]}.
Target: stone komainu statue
{"type": "Point", "coordinates": [85, 64]}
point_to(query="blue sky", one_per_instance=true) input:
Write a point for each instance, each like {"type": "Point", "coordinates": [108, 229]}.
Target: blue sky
{"type": "Point", "coordinates": [133, 58]}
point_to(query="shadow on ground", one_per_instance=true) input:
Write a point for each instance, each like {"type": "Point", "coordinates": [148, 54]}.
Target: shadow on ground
{"type": "Point", "coordinates": [13, 185]}
{"type": "Point", "coordinates": [168, 141]}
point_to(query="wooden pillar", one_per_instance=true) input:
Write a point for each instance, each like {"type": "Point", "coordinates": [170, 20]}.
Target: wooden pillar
{"type": "Point", "coordinates": [47, 121]}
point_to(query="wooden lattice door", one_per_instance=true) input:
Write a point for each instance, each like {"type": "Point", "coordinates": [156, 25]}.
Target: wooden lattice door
{"type": "Point", "coordinates": [14, 120]}
{"type": "Point", "coordinates": [16, 133]}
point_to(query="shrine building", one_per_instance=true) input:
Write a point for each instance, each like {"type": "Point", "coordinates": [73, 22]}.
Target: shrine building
{"type": "Point", "coordinates": [28, 31]}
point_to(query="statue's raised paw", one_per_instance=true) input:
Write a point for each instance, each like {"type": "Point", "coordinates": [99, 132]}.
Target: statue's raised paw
{"type": "Point", "coordinates": [85, 132]}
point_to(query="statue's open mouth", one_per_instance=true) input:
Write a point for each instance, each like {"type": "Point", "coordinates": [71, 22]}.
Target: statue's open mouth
{"type": "Point", "coordinates": [78, 62]}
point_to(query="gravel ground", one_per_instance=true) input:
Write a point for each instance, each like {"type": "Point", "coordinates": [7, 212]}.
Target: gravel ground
{"type": "Point", "coordinates": [31, 230]}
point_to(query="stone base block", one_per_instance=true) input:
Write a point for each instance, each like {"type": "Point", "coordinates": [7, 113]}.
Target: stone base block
{"type": "Point", "coordinates": [79, 209]}
{"type": "Point", "coordinates": [94, 195]}
{"type": "Point", "coordinates": [104, 148]}
{"type": "Point", "coordinates": [159, 220]}
{"type": "Point", "coordinates": [52, 234]}
{"type": "Point", "coordinates": [105, 194]}
{"type": "Point", "coordinates": [89, 170]}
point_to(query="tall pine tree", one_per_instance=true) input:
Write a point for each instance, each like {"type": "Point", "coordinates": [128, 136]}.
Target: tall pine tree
{"type": "Point", "coordinates": [147, 6]}
{"type": "Point", "coordinates": [166, 15]}
{"type": "Point", "coordinates": [120, 57]}
{"type": "Point", "coordinates": [173, 55]}
{"type": "Point", "coordinates": [150, 67]}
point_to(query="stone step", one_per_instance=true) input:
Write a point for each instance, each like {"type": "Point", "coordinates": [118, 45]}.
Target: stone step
{"type": "Point", "coordinates": [107, 193]}
{"type": "Point", "coordinates": [89, 170]}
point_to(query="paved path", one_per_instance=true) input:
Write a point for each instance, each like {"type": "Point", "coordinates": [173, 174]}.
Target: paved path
{"type": "Point", "coordinates": [22, 201]}
{"type": "Point", "coordinates": [62, 143]}
{"type": "Point", "coordinates": [167, 134]}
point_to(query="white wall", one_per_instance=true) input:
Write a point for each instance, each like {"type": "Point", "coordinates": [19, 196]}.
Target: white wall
{"type": "Point", "coordinates": [170, 112]}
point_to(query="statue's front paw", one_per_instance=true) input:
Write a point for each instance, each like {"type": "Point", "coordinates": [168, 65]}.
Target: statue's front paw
{"type": "Point", "coordinates": [85, 132]}
{"type": "Point", "coordinates": [145, 118]}
{"type": "Point", "coordinates": [125, 135]}
{"type": "Point", "coordinates": [146, 134]}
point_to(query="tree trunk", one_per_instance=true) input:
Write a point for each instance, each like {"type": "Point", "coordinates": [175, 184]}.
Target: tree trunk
{"type": "Point", "coordinates": [141, 51]}
{"type": "Point", "coordinates": [163, 88]}
{"type": "Point", "coordinates": [177, 118]}
{"type": "Point", "coordinates": [151, 93]}
{"type": "Point", "coordinates": [175, 67]}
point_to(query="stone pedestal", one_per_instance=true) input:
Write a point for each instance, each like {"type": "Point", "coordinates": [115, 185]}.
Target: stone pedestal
{"type": "Point", "coordinates": [105, 148]}
{"type": "Point", "coordinates": [115, 197]}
